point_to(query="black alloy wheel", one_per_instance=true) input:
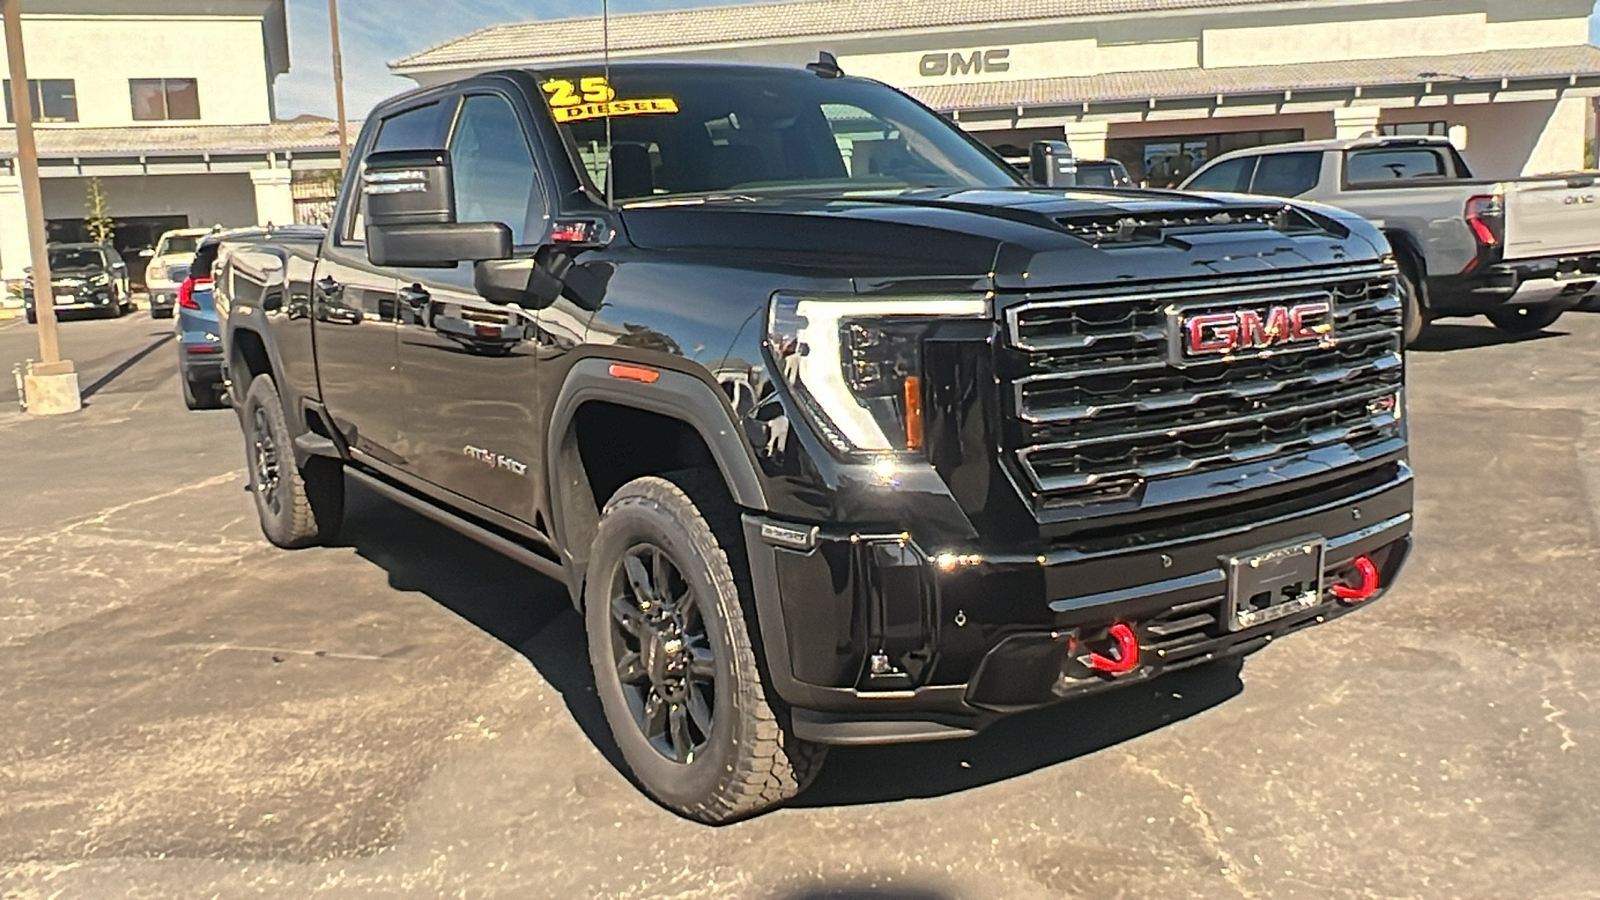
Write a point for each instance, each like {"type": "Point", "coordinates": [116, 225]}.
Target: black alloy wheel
{"type": "Point", "coordinates": [266, 475]}
{"type": "Point", "coordinates": [674, 659]}
{"type": "Point", "coordinates": [663, 654]}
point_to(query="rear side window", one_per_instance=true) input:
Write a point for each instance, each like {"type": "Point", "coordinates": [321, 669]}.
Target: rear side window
{"type": "Point", "coordinates": [419, 128]}
{"type": "Point", "coordinates": [1231, 176]}
{"type": "Point", "coordinates": [1386, 164]}
{"type": "Point", "coordinates": [1287, 174]}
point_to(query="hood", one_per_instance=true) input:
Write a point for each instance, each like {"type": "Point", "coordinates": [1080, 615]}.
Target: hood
{"type": "Point", "coordinates": [1022, 239]}
{"type": "Point", "coordinates": [79, 273]}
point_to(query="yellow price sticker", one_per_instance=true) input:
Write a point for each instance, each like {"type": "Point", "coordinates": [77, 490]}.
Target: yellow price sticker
{"type": "Point", "coordinates": [592, 89]}
{"type": "Point", "coordinates": [582, 111]}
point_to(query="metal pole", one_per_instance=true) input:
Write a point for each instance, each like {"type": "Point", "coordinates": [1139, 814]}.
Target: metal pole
{"type": "Point", "coordinates": [338, 85]}
{"type": "Point", "coordinates": [32, 198]}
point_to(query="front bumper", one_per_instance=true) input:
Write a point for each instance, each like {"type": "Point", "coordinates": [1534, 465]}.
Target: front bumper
{"type": "Point", "coordinates": [871, 638]}
{"type": "Point", "coordinates": [75, 299]}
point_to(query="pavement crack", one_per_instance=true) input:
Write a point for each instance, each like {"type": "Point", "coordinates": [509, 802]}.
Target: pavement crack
{"type": "Point", "coordinates": [105, 515]}
{"type": "Point", "coordinates": [1232, 870]}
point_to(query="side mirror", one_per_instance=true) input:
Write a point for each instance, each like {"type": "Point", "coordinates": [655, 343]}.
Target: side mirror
{"type": "Point", "coordinates": [527, 283]}
{"type": "Point", "coordinates": [1051, 164]}
{"type": "Point", "coordinates": [147, 253]}
{"type": "Point", "coordinates": [411, 214]}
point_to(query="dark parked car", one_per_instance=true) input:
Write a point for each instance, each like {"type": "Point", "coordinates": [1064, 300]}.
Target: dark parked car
{"type": "Point", "coordinates": [1103, 173]}
{"type": "Point", "coordinates": [84, 278]}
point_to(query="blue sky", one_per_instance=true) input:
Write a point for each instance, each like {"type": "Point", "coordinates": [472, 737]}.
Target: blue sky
{"type": "Point", "coordinates": [375, 33]}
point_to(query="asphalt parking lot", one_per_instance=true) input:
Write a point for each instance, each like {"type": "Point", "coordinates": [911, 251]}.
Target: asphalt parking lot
{"type": "Point", "coordinates": [188, 712]}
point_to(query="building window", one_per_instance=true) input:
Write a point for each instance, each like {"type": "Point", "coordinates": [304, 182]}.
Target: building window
{"type": "Point", "coordinates": [165, 99]}
{"type": "Point", "coordinates": [1415, 129]}
{"type": "Point", "coordinates": [51, 100]}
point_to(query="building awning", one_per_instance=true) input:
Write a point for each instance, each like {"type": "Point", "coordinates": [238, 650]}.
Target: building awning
{"type": "Point", "coordinates": [302, 136]}
{"type": "Point", "coordinates": [1491, 66]}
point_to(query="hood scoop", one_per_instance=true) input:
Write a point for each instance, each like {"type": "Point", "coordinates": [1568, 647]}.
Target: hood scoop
{"type": "Point", "coordinates": [1155, 227]}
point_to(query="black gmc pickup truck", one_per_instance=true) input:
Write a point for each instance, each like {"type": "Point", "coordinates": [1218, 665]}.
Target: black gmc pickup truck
{"type": "Point", "coordinates": [836, 431]}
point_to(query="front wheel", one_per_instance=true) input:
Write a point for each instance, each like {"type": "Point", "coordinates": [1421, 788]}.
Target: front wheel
{"type": "Point", "coordinates": [298, 507]}
{"type": "Point", "coordinates": [673, 658]}
{"type": "Point", "coordinates": [1412, 316]}
{"type": "Point", "coordinates": [1525, 319]}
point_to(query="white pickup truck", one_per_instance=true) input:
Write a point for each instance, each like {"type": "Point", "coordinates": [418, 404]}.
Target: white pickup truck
{"type": "Point", "coordinates": [1521, 251]}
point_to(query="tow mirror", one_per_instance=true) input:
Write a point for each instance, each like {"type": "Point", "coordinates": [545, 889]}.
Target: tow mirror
{"type": "Point", "coordinates": [1051, 164]}
{"type": "Point", "coordinates": [411, 214]}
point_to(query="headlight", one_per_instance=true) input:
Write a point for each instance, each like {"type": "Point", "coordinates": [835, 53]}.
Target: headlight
{"type": "Point", "coordinates": [101, 280]}
{"type": "Point", "coordinates": [856, 363]}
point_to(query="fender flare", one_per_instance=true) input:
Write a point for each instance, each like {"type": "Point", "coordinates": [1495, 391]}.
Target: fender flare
{"type": "Point", "coordinates": [676, 395]}
{"type": "Point", "coordinates": [256, 323]}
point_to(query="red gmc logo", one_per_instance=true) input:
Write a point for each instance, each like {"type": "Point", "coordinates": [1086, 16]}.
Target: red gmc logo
{"type": "Point", "coordinates": [1228, 333]}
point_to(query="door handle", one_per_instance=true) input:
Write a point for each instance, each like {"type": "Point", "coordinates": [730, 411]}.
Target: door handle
{"type": "Point", "coordinates": [416, 295]}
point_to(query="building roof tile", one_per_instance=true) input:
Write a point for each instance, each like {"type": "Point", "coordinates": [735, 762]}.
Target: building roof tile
{"type": "Point", "coordinates": [301, 135]}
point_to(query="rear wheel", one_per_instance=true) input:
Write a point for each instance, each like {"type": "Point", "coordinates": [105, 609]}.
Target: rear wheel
{"type": "Point", "coordinates": [298, 507]}
{"type": "Point", "coordinates": [1525, 319]}
{"type": "Point", "coordinates": [674, 662]}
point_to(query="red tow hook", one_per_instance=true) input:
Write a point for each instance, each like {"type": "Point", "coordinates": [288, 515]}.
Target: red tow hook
{"type": "Point", "coordinates": [1125, 658]}
{"type": "Point", "coordinates": [1368, 586]}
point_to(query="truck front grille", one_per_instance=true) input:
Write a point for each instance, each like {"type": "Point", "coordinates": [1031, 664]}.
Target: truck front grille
{"type": "Point", "coordinates": [1103, 404]}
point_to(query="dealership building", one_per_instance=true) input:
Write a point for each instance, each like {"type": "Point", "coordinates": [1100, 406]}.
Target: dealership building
{"type": "Point", "coordinates": [1162, 85]}
{"type": "Point", "coordinates": [169, 104]}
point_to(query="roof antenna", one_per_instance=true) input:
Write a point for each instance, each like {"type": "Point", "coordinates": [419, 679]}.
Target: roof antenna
{"type": "Point", "coordinates": [826, 66]}
{"type": "Point", "coordinates": [605, 50]}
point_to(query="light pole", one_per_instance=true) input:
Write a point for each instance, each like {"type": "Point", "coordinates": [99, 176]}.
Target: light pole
{"type": "Point", "coordinates": [51, 385]}
{"type": "Point", "coordinates": [338, 85]}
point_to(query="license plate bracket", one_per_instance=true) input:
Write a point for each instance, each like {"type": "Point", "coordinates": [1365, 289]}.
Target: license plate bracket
{"type": "Point", "coordinates": [1269, 583]}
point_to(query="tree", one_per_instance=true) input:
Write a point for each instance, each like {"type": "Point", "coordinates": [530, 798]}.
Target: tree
{"type": "Point", "coordinates": [101, 228]}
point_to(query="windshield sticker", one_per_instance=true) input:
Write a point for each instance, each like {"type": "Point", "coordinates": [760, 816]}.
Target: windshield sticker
{"type": "Point", "coordinates": [593, 98]}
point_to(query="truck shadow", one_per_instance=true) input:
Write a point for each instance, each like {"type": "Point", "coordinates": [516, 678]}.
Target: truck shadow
{"type": "Point", "coordinates": [534, 616]}
{"type": "Point", "coordinates": [1444, 337]}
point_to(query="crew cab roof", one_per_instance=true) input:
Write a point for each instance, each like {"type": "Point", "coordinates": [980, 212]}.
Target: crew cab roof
{"type": "Point", "coordinates": [1360, 143]}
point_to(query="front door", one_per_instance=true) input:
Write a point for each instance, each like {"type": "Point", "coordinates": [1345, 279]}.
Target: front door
{"type": "Point", "coordinates": [468, 364]}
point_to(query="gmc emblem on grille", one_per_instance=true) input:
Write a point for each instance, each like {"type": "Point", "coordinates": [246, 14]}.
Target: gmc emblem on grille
{"type": "Point", "coordinates": [1254, 331]}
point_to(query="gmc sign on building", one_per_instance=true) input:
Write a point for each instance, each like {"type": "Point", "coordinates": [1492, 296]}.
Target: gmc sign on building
{"type": "Point", "coordinates": [965, 62]}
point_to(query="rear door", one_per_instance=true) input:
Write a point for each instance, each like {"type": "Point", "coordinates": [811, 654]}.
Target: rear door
{"type": "Point", "coordinates": [355, 309]}
{"type": "Point", "coordinates": [468, 364]}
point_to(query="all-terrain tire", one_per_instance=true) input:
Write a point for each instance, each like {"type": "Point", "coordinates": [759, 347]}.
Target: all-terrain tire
{"type": "Point", "coordinates": [750, 762]}
{"type": "Point", "coordinates": [1525, 319]}
{"type": "Point", "coordinates": [298, 507]}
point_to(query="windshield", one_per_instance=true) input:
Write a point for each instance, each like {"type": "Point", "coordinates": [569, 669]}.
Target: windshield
{"type": "Point", "coordinates": [75, 258]}
{"type": "Point", "coordinates": [677, 131]}
{"type": "Point", "coordinates": [174, 244]}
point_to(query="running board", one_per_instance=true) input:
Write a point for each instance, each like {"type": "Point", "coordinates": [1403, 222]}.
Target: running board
{"type": "Point", "coordinates": [500, 544]}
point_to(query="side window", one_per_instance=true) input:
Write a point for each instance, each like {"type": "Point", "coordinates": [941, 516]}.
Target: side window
{"type": "Point", "coordinates": [1232, 176]}
{"type": "Point", "coordinates": [420, 128]}
{"type": "Point", "coordinates": [493, 165]}
{"type": "Point", "coordinates": [1287, 174]}
{"type": "Point", "coordinates": [1382, 164]}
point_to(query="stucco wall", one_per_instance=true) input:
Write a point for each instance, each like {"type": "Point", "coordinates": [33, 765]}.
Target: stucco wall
{"type": "Point", "coordinates": [1506, 140]}
{"type": "Point", "coordinates": [1375, 37]}
{"type": "Point", "coordinates": [226, 55]}
{"type": "Point", "coordinates": [227, 200]}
